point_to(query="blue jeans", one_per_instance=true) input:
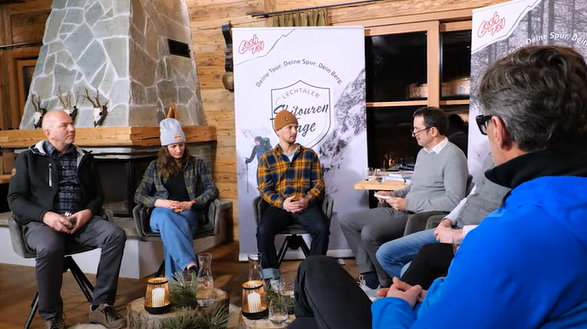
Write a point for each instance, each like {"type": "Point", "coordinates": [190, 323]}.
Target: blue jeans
{"type": "Point", "coordinates": [177, 231]}
{"type": "Point", "coordinates": [393, 255]}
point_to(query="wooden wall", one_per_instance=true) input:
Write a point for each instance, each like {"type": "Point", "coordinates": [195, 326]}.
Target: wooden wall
{"type": "Point", "coordinates": [19, 23]}
{"type": "Point", "coordinates": [25, 22]}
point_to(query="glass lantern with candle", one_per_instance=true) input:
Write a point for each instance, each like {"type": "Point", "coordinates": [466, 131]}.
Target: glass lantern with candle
{"type": "Point", "coordinates": [157, 299]}
{"type": "Point", "coordinates": [254, 300]}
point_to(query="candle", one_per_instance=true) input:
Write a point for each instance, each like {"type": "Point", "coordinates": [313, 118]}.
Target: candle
{"type": "Point", "coordinates": [158, 297]}
{"type": "Point", "coordinates": [254, 300]}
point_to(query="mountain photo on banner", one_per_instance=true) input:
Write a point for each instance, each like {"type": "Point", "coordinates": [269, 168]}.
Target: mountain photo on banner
{"type": "Point", "coordinates": [503, 28]}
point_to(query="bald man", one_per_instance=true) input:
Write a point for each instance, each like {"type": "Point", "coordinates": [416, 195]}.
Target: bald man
{"type": "Point", "coordinates": [55, 193]}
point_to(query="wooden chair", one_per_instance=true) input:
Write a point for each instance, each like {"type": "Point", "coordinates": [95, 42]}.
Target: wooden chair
{"type": "Point", "coordinates": [294, 239]}
{"type": "Point", "coordinates": [21, 248]}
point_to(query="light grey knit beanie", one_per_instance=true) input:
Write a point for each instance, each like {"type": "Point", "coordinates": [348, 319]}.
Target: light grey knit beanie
{"type": "Point", "coordinates": [171, 132]}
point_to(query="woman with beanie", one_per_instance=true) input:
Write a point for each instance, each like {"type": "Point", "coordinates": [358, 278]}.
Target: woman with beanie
{"type": "Point", "coordinates": [178, 186]}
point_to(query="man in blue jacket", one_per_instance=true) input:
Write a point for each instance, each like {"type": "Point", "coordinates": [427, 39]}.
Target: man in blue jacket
{"type": "Point", "coordinates": [524, 266]}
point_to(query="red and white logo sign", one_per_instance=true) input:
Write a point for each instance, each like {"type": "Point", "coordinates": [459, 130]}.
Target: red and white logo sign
{"type": "Point", "coordinates": [491, 26]}
{"type": "Point", "coordinates": [254, 45]}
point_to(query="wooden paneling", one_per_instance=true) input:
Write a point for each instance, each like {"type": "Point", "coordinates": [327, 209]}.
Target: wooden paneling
{"type": "Point", "coordinates": [21, 22]}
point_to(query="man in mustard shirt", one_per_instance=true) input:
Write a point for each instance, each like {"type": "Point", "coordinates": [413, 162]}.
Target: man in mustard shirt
{"type": "Point", "coordinates": [290, 181]}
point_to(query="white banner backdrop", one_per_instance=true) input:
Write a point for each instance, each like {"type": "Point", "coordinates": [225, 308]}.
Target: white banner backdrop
{"type": "Point", "coordinates": [503, 28]}
{"type": "Point", "coordinates": [317, 73]}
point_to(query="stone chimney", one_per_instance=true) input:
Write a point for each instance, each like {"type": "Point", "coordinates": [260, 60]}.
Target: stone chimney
{"type": "Point", "coordinates": [136, 55]}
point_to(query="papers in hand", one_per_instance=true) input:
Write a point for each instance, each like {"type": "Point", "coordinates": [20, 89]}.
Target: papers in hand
{"type": "Point", "coordinates": [381, 196]}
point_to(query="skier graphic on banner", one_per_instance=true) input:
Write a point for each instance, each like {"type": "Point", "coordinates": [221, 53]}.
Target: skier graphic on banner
{"type": "Point", "coordinates": [262, 145]}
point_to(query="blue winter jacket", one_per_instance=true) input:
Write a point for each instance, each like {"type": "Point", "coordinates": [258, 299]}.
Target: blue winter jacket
{"type": "Point", "coordinates": [525, 266]}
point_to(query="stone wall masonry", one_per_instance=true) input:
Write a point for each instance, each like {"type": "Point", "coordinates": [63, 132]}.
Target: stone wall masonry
{"type": "Point", "coordinates": [119, 48]}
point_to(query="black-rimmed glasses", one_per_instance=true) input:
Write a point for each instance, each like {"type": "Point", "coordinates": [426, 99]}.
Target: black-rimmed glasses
{"type": "Point", "coordinates": [416, 132]}
{"type": "Point", "coordinates": [482, 121]}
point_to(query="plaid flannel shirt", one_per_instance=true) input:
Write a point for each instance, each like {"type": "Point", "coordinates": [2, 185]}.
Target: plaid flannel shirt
{"type": "Point", "coordinates": [69, 195]}
{"type": "Point", "coordinates": [198, 179]}
{"type": "Point", "coordinates": [279, 178]}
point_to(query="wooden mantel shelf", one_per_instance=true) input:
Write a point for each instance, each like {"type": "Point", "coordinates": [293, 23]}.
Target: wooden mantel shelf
{"type": "Point", "coordinates": [107, 136]}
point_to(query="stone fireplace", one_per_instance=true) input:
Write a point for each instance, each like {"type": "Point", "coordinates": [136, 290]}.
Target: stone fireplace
{"type": "Point", "coordinates": [134, 58]}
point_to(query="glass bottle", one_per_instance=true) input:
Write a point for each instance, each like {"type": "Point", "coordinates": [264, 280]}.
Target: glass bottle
{"type": "Point", "coordinates": [205, 294]}
{"type": "Point", "coordinates": [255, 270]}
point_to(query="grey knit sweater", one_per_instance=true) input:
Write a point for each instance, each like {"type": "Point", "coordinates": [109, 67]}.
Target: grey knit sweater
{"type": "Point", "coordinates": [439, 181]}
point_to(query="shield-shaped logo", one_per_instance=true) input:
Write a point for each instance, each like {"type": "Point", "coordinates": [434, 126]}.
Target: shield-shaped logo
{"type": "Point", "coordinates": [310, 104]}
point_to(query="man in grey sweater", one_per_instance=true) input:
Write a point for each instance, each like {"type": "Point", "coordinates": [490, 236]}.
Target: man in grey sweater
{"type": "Point", "coordinates": [438, 184]}
{"type": "Point", "coordinates": [485, 197]}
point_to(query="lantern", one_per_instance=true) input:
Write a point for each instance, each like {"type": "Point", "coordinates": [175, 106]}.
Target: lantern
{"type": "Point", "coordinates": [254, 303]}
{"type": "Point", "coordinates": [157, 299]}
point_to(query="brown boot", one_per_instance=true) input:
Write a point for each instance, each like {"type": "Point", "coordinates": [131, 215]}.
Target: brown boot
{"type": "Point", "coordinates": [56, 323]}
{"type": "Point", "coordinates": [108, 317]}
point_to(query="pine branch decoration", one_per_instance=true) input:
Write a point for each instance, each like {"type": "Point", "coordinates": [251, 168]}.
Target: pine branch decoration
{"type": "Point", "coordinates": [183, 291]}
{"type": "Point", "coordinates": [274, 295]}
{"type": "Point", "coordinates": [217, 318]}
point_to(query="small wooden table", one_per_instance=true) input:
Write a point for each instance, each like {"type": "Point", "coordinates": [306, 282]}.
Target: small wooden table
{"type": "Point", "coordinates": [386, 185]}
{"type": "Point", "coordinates": [4, 179]}
{"type": "Point", "coordinates": [264, 323]}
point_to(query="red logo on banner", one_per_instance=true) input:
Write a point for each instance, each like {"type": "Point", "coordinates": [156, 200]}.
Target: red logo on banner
{"type": "Point", "coordinates": [493, 25]}
{"type": "Point", "coordinates": [254, 45]}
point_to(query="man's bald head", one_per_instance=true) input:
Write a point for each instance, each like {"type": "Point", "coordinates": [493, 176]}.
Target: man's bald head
{"type": "Point", "coordinates": [52, 117]}
{"type": "Point", "coordinates": [58, 127]}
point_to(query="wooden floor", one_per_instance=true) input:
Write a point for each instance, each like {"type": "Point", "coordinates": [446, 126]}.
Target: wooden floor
{"type": "Point", "coordinates": [18, 287]}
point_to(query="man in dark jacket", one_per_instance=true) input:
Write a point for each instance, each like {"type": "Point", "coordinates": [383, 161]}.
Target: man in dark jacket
{"type": "Point", "coordinates": [56, 194]}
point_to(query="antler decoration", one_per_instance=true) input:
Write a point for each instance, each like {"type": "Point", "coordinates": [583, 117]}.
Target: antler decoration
{"type": "Point", "coordinates": [172, 112]}
{"type": "Point", "coordinates": [39, 110]}
{"type": "Point", "coordinates": [100, 111]}
{"type": "Point", "coordinates": [66, 103]}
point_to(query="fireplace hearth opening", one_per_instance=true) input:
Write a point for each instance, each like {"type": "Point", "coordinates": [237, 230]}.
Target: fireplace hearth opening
{"type": "Point", "coordinates": [120, 179]}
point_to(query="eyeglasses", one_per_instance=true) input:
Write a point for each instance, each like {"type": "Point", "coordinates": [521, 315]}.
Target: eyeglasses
{"type": "Point", "coordinates": [482, 122]}
{"type": "Point", "coordinates": [416, 132]}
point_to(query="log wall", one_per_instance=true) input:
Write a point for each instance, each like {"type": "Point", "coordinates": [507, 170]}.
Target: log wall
{"type": "Point", "coordinates": [25, 22]}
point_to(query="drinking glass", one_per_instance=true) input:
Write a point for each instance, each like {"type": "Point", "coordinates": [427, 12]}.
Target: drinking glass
{"type": "Point", "coordinates": [368, 174]}
{"type": "Point", "coordinates": [378, 175]}
{"type": "Point", "coordinates": [286, 290]}
{"type": "Point", "coordinates": [277, 311]}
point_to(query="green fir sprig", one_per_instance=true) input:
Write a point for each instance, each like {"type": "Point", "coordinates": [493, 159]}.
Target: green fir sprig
{"type": "Point", "coordinates": [183, 291]}
{"type": "Point", "coordinates": [187, 318]}
{"type": "Point", "coordinates": [274, 295]}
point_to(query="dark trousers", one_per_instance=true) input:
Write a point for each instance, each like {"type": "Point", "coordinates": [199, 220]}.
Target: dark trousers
{"type": "Point", "coordinates": [328, 297]}
{"type": "Point", "coordinates": [431, 262]}
{"type": "Point", "coordinates": [274, 220]}
{"type": "Point", "coordinates": [50, 247]}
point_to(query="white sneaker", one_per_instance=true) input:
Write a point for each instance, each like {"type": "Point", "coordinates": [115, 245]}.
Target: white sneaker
{"type": "Point", "coordinates": [370, 292]}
